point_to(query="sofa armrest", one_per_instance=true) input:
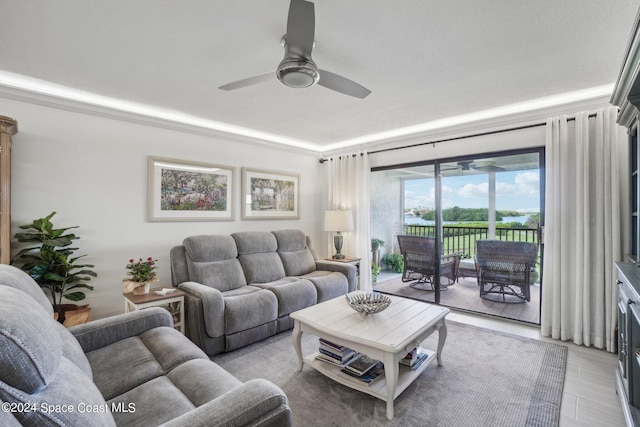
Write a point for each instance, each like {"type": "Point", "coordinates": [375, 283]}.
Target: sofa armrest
{"type": "Point", "coordinates": [100, 333]}
{"type": "Point", "coordinates": [257, 402]}
{"type": "Point", "coordinates": [350, 271]}
{"type": "Point", "coordinates": [212, 306]}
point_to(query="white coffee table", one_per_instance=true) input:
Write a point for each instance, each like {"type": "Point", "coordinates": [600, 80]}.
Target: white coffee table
{"type": "Point", "coordinates": [385, 336]}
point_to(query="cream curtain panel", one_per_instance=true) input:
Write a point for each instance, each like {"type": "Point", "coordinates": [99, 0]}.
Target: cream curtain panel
{"type": "Point", "coordinates": [348, 188]}
{"type": "Point", "coordinates": [586, 192]}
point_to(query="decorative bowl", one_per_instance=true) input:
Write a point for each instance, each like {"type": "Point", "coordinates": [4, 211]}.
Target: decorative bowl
{"type": "Point", "coordinates": [368, 302]}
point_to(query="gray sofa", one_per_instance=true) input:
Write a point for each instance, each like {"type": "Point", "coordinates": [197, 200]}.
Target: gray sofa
{"type": "Point", "coordinates": [242, 287]}
{"type": "Point", "coordinates": [129, 370]}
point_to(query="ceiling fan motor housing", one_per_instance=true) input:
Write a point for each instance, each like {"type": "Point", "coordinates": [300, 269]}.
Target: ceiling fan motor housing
{"type": "Point", "coordinates": [298, 73]}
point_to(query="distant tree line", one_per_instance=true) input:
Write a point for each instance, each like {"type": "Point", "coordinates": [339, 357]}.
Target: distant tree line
{"type": "Point", "coordinates": [458, 214]}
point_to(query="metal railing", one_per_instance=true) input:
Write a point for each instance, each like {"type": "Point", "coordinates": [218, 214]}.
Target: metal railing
{"type": "Point", "coordinates": [462, 239]}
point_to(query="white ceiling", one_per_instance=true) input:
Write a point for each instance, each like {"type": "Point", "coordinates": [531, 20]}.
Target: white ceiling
{"type": "Point", "coordinates": [423, 60]}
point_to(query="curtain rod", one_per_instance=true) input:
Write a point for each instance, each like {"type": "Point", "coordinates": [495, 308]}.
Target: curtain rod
{"type": "Point", "coordinates": [570, 119]}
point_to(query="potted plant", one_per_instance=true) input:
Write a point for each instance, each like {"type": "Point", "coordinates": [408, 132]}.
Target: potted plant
{"type": "Point", "coordinates": [51, 264]}
{"type": "Point", "coordinates": [375, 270]}
{"type": "Point", "coordinates": [142, 275]}
{"type": "Point", "coordinates": [376, 244]}
{"type": "Point", "coordinates": [393, 262]}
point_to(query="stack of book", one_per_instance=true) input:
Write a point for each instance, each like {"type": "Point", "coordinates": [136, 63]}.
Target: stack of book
{"type": "Point", "coordinates": [334, 353]}
{"type": "Point", "coordinates": [363, 368]}
{"type": "Point", "coordinates": [415, 358]}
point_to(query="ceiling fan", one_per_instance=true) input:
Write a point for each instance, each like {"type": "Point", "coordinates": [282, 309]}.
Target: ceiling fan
{"type": "Point", "coordinates": [486, 166]}
{"type": "Point", "coordinates": [297, 69]}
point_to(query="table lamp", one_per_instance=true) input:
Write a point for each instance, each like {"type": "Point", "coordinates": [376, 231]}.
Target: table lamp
{"type": "Point", "coordinates": [338, 221]}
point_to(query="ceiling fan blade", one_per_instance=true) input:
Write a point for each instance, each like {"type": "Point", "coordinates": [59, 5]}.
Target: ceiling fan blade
{"type": "Point", "coordinates": [341, 84]}
{"type": "Point", "coordinates": [249, 82]}
{"type": "Point", "coordinates": [301, 27]}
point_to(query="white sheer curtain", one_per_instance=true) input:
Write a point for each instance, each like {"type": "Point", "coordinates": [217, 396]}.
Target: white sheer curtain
{"type": "Point", "coordinates": [348, 188]}
{"type": "Point", "coordinates": [585, 194]}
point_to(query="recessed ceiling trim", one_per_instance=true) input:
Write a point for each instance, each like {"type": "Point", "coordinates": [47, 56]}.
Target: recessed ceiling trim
{"type": "Point", "coordinates": [508, 114]}
{"type": "Point", "coordinates": [15, 86]}
{"type": "Point", "coordinates": [23, 88]}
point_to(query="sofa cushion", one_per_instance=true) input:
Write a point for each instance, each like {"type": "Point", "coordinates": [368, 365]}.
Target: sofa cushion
{"type": "Point", "coordinates": [210, 248]}
{"type": "Point", "coordinates": [31, 352]}
{"type": "Point", "coordinates": [211, 260]}
{"type": "Point", "coordinates": [34, 367]}
{"type": "Point", "coordinates": [156, 401]}
{"type": "Point", "coordinates": [70, 389]}
{"type": "Point", "coordinates": [140, 359]}
{"type": "Point", "coordinates": [247, 311]}
{"type": "Point", "coordinates": [292, 294]}
{"type": "Point", "coordinates": [130, 359]}
{"type": "Point", "coordinates": [258, 257]}
{"type": "Point", "coordinates": [328, 284]}
{"type": "Point", "coordinates": [262, 267]}
{"type": "Point", "coordinates": [15, 278]}
{"type": "Point", "coordinates": [251, 242]}
{"type": "Point", "coordinates": [71, 350]}
{"type": "Point", "coordinates": [189, 385]}
{"type": "Point", "coordinates": [296, 257]}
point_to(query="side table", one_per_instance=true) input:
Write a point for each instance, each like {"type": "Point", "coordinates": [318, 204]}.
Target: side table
{"type": "Point", "coordinates": [173, 303]}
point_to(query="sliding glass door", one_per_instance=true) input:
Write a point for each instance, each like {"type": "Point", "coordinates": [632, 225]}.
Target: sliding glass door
{"type": "Point", "coordinates": [451, 204]}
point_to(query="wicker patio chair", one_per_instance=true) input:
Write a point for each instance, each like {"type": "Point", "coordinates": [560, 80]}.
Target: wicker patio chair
{"type": "Point", "coordinates": [419, 256]}
{"type": "Point", "coordinates": [504, 268]}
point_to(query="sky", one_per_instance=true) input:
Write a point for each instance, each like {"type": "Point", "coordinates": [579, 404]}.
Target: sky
{"type": "Point", "coordinates": [516, 190]}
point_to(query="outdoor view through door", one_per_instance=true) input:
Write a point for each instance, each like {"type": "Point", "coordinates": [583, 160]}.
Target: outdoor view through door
{"type": "Point", "coordinates": [497, 199]}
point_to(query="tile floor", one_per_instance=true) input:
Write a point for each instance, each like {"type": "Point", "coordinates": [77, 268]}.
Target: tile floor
{"type": "Point", "coordinates": [589, 397]}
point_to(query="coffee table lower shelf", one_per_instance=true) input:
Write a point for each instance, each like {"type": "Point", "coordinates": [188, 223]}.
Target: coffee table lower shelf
{"type": "Point", "coordinates": [378, 388]}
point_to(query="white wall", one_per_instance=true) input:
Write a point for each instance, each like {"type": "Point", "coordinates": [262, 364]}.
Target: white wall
{"type": "Point", "coordinates": [93, 172]}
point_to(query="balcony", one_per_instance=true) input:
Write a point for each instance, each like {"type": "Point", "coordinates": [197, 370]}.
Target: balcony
{"type": "Point", "coordinates": [464, 294]}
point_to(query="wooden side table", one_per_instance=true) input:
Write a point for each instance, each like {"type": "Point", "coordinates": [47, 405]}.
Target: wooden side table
{"type": "Point", "coordinates": [173, 303]}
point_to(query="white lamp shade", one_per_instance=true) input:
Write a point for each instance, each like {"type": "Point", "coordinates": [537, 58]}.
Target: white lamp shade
{"type": "Point", "coordinates": [338, 221]}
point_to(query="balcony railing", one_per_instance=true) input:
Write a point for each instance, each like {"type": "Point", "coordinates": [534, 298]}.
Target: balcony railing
{"type": "Point", "coordinates": [462, 239]}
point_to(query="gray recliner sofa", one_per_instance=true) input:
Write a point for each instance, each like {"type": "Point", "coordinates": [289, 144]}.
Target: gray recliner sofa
{"type": "Point", "coordinates": [133, 369]}
{"type": "Point", "coordinates": [242, 287]}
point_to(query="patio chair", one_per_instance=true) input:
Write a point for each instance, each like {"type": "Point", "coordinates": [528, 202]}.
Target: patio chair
{"type": "Point", "coordinates": [419, 256]}
{"type": "Point", "coordinates": [504, 268]}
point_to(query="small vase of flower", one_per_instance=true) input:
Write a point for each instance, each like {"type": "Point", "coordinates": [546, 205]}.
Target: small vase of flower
{"type": "Point", "coordinates": [142, 274]}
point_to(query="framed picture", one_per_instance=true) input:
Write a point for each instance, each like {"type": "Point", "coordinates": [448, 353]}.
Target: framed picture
{"type": "Point", "coordinates": [180, 190]}
{"type": "Point", "coordinates": [270, 195]}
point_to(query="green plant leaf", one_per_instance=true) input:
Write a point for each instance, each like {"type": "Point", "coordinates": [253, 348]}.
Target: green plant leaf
{"type": "Point", "coordinates": [81, 285]}
{"type": "Point", "coordinates": [87, 272]}
{"type": "Point", "coordinates": [51, 263]}
{"type": "Point", "coordinates": [75, 296]}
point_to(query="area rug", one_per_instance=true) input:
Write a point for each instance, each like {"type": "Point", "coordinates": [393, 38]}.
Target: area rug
{"type": "Point", "coordinates": [488, 378]}
{"type": "Point", "coordinates": [465, 295]}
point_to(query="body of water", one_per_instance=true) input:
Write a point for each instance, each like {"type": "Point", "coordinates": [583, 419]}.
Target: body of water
{"type": "Point", "coordinates": [419, 221]}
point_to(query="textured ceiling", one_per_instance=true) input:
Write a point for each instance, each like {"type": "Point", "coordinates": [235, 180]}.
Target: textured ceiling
{"type": "Point", "coordinates": [422, 60]}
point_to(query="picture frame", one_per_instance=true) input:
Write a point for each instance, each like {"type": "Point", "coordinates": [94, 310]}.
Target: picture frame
{"type": "Point", "coordinates": [183, 190]}
{"type": "Point", "coordinates": [270, 195]}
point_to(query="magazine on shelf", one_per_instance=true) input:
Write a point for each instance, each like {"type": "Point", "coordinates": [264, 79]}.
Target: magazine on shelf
{"type": "Point", "coordinates": [336, 347]}
{"type": "Point", "coordinates": [345, 355]}
{"type": "Point", "coordinates": [413, 357]}
{"type": "Point", "coordinates": [360, 364]}
{"type": "Point", "coordinates": [368, 377]}
{"type": "Point", "coordinates": [417, 359]}
{"type": "Point", "coordinates": [331, 359]}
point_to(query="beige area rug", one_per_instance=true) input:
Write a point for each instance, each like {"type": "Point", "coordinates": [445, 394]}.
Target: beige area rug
{"type": "Point", "coordinates": [488, 378]}
{"type": "Point", "coordinates": [465, 295]}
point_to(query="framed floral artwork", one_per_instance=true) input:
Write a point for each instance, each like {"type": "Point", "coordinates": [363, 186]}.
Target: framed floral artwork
{"type": "Point", "coordinates": [182, 190]}
{"type": "Point", "coordinates": [270, 195]}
